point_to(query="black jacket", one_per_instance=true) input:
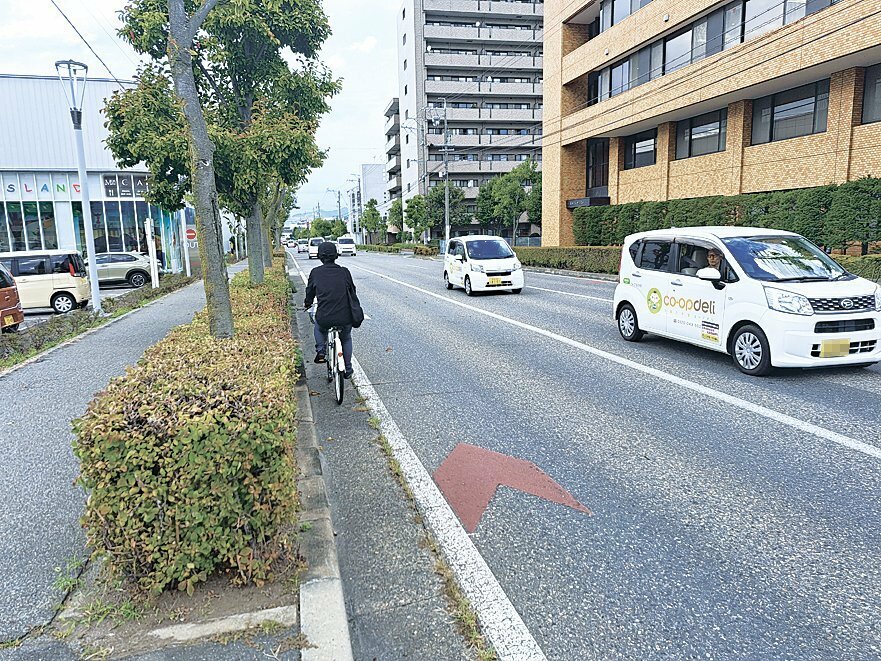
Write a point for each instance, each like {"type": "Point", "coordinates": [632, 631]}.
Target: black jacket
{"type": "Point", "coordinates": [329, 283]}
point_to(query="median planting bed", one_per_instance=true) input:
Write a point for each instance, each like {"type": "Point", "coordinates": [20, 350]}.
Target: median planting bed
{"type": "Point", "coordinates": [188, 459]}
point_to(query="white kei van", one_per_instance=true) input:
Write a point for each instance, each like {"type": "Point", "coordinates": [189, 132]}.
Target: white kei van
{"type": "Point", "coordinates": [54, 279]}
{"type": "Point", "coordinates": [313, 246]}
{"type": "Point", "coordinates": [482, 263]}
{"type": "Point", "coordinates": [766, 297]}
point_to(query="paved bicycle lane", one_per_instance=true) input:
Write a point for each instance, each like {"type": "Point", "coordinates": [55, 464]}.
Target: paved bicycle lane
{"type": "Point", "coordinates": [39, 521]}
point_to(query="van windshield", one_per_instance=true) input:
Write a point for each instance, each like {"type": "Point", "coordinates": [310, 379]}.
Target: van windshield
{"type": "Point", "coordinates": [346, 241]}
{"type": "Point", "coordinates": [783, 258]}
{"type": "Point", "coordinates": [489, 249]}
{"type": "Point", "coordinates": [316, 242]}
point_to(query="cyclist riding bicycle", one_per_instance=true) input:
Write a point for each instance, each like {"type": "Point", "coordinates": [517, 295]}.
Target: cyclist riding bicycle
{"type": "Point", "coordinates": [333, 286]}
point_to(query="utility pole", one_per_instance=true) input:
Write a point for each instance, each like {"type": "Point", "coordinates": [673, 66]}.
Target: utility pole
{"type": "Point", "coordinates": [446, 181]}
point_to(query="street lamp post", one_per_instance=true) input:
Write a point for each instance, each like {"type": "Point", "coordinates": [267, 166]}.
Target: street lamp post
{"type": "Point", "coordinates": [73, 79]}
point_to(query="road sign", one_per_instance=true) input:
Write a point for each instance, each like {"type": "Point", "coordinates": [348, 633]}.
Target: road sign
{"type": "Point", "coordinates": [191, 234]}
{"type": "Point", "coordinates": [469, 477]}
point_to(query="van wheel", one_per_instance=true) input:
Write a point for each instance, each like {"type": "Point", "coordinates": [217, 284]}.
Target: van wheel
{"type": "Point", "coordinates": [468, 290]}
{"type": "Point", "coordinates": [11, 328]}
{"type": "Point", "coordinates": [628, 325]}
{"type": "Point", "coordinates": [517, 291]}
{"type": "Point", "coordinates": [750, 351]}
{"type": "Point", "coordinates": [447, 282]}
{"type": "Point", "coordinates": [63, 303]}
{"type": "Point", "coordinates": [137, 279]}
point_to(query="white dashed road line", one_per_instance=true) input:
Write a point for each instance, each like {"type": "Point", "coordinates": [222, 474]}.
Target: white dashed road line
{"type": "Point", "coordinates": [788, 420]}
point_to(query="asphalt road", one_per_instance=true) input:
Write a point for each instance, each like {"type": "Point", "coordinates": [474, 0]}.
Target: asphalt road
{"type": "Point", "coordinates": [720, 529]}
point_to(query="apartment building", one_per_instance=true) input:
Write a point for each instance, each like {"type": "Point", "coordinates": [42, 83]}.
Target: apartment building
{"type": "Point", "coordinates": [670, 99]}
{"type": "Point", "coordinates": [392, 190]}
{"type": "Point", "coordinates": [479, 64]}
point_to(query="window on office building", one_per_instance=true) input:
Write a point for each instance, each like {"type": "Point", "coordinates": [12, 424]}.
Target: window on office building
{"type": "Point", "coordinates": [405, 65]}
{"type": "Point", "coordinates": [790, 114]}
{"type": "Point", "coordinates": [704, 134]}
{"type": "Point", "coordinates": [872, 95]}
{"type": "Point", "coordinates": [639, 149]}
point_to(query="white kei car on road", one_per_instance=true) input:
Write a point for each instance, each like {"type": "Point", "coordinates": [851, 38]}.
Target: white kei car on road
{"type": "Point", "coordinates": [766, 297]}
{"type": "Point", "coordinates": [482, 263]}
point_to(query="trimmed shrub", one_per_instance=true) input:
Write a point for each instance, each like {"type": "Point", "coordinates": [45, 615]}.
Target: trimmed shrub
{"type": "Point", "coordinates": [591, 259]}
{"type": "Point", "coordinates": [868, 266]}
{"type": "Point", "coordinates": [834, 216]}
{"type": "Point", "coordinates": [188, 457]}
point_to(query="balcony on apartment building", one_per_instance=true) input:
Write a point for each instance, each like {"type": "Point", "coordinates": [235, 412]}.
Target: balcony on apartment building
{"type": "Point", "coordinates": [474, 33]}
{"type": "Point", "coordinates": [483, 87]}
{"type": "Point", "coordinates": [393, 185]}
{"type": "Point", "coordinates": [394, 164]}
{"type": "Point", "coordinates": [498, 62]}
{"type": "Point", "coordinates": [464, 167]}
{"type": "Point", "coordinates": [393, 124]}
{"type": "Point", "coordinates": [393, 145]}
{"type": "Point", "coordinates": [494, 114]}
{"type": "Point", "coordinates": [483, 7]}
{"type": "Point", "coordinates": [501, 141]}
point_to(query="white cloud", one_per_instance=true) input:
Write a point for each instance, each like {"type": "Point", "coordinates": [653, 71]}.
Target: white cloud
{"type": "Point", "coordinates": [366, 45]}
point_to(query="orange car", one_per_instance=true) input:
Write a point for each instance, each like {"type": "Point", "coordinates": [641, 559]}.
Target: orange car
{"type": "Point", "coordinates": [10, 306]}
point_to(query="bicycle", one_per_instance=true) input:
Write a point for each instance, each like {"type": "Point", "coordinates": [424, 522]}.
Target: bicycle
{"type": "Point", "coordinates": [336, 364]}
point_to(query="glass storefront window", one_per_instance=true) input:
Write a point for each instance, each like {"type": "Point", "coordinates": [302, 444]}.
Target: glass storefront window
{"type": "Point", "coordinates": [114, 226]}
{"type": "Point", "coordinates": [140, 217]}
{"type": "Point", "coordinates": [129, 226]}
{"type": "Point", "coordinates": [32, 226]}
{"type": "Point", "coordinates": [4, 232]}
{"type": "Point", "coordinates": [98, 227]}
{"type": "Point", "coordinates": [79, 230]}
{"type": "Point", "coordinates": [47, 222]}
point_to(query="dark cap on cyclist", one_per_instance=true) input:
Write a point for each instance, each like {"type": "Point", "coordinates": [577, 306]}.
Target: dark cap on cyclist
{"type": "Point", "coordinates": [327, 252]}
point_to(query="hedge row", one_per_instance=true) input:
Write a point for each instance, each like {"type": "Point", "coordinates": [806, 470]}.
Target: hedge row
{"type": "Point", "coordinates": [592, 259]}
{"type": "Point", "coordinates": [17, 347]}
{"type": "Point", "coordinates": [417, 248]}
{"type": "Point", "coordinates": [832, 216]}
{"type": "Point", "coordinates": [868, 266]}
{"type": "Point", "coordinates": [188, 458]}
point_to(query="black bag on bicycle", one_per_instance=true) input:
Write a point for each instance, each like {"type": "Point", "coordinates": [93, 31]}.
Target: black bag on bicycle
{"type": "Point", "coordinates": [355, 308]}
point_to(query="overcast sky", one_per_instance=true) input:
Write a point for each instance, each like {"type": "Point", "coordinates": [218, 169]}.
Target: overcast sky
{"type": "Point", "coordinates": [361, 51]}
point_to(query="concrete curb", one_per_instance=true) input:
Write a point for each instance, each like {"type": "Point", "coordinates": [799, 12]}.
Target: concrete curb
{"type": "Point", "coordinates": [605, 277]}
{"type": "Point", "coordinates": [323, 618]}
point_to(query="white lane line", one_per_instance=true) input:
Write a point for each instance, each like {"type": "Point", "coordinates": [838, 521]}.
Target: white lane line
{"type": "Point", "coordinates": [569, 293]}
{"type": "Point", "coordinates": [499, 619]}
{"type": "Point", "coordinates": [795, 423]}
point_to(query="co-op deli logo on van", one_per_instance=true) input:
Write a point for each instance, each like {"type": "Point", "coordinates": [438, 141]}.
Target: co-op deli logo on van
{"type": "Point", "coordinates": [656, 302]}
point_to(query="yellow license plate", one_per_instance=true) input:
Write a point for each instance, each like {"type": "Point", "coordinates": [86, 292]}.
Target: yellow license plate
{"type": "Point", "coordinates": [834, 348]}
{"type": "Point", "coordinates": [494, 281]}
{"type": "Point", "coordinates": [8, 320]}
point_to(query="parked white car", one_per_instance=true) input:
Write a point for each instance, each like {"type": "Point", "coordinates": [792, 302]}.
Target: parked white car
{"type": "Point", "coordinates": [766, 297]}
{"type": "Point", "coordinates": [482, 263]}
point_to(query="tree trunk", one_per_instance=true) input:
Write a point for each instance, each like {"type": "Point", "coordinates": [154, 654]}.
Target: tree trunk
{"type": "Point", "coordinates": [267, 250]}
{"type": "Point", "coordinates": [208, 223]}
{"type": "Point", "coordinates": [254, 226]}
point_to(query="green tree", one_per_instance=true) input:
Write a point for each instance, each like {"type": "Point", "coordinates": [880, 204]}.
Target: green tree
{"type": "Point", "coordinates": [417, 216]}
{"type": "Point", "coordinates": [533, 201]}
{"type": "Point", "coordinates": [338, 228]}
{"type": "Point", "coordinates": [396, 215]}
{"type": "Point", "coordinates": [262, 113]}
{"type": "Point", "coordinates": [321, 227]}
{"type": "Point", "coordinates": [486, 205]}
{"type": "Point", "coordinates": [372, 221]}
{"type": "Point", "coordinates": [435, 206]}
{"type": "Point", "coordinates": [510, 196]}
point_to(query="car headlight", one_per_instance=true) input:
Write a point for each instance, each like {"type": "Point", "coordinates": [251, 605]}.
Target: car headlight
{"type": "Point", "coordinates": [517, 266]}
{"type": "Point", "coordinates": [478, 267]}
{"type": "Point", "coordinates": [787, 301]}
{"type": "Point", "coordinates": [878, 299]}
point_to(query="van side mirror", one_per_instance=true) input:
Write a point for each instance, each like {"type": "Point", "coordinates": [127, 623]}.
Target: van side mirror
{"type": "Point", "coordinates": [709, 273]}
{"type": "Point", "coordinates": [459, 258]}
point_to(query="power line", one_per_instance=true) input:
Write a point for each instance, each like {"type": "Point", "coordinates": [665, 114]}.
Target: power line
{"type": "Point", "coordinates": [79, 34]}
{"type": "Point", "coordinates": [101, 23]}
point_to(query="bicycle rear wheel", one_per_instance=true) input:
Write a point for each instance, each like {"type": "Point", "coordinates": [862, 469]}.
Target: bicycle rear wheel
{"type": "Point", "coordinates": [338, 385]}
